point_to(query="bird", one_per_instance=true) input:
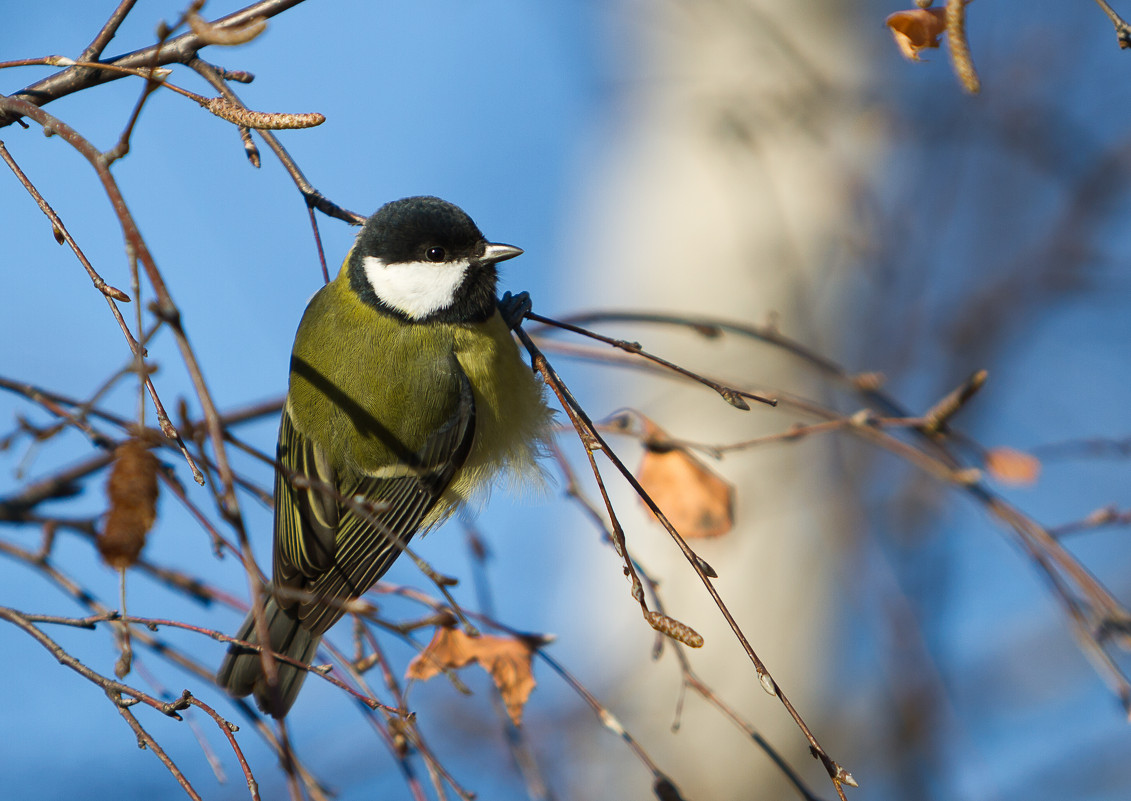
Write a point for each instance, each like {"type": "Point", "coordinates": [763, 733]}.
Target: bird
{"type": "Point", "coordinates": [407, 397]}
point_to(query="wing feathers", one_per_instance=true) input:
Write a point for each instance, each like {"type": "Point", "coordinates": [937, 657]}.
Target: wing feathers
{"type": "Point", "coordinates": [306, 520]}
{"type": "Point", "coordinates": [329, 547]}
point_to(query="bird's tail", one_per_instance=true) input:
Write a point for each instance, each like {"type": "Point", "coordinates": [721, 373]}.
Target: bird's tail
{"type": "Point", "coordinates": [242, 671]}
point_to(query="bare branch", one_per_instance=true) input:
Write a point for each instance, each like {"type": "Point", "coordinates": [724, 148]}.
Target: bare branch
{"type": "Point", "coordinates": [178, 50]}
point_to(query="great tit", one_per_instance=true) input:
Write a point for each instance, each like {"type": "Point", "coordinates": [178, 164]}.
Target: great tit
{"type": "Point", "coordinates": [407, 395]}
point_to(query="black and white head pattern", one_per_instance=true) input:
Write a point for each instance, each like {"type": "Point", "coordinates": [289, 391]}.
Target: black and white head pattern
{"type": "Point", "coordinates": [423, 259]}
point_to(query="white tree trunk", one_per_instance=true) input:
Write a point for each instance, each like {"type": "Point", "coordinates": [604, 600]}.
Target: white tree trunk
{"type": "Point", "coordinates": [726, 187]}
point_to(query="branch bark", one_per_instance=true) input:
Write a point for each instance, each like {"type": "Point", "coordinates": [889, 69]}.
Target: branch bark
{"type": "Point", "coordinates": [178, 50]}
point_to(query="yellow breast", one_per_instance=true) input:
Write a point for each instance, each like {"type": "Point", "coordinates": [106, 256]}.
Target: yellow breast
{"type": "Point", "coordinates": [512, 421]}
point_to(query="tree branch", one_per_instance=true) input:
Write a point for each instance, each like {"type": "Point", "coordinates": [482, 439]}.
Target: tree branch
{"type": "Point", "coordinates": [178, 50]}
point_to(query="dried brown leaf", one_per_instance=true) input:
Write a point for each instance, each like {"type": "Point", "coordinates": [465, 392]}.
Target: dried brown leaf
{"type": "Point", "coordinates": [132, 491]}
{"type": "Point", "coordinates": [916, 29]}
{"type": "Point", "coordinates": [1011, 466]}
{"type": "Point", "coordinates": [507, 659]}
{"type": "Point", "coordinates": [694, 499]}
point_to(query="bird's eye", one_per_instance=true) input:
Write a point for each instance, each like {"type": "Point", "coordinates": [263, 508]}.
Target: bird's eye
{"type": "Point", "coordinates": [435, 254]}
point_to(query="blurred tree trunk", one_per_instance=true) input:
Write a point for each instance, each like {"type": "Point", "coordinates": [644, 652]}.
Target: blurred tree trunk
{"type": "Point", "coordinates": [728, 188]}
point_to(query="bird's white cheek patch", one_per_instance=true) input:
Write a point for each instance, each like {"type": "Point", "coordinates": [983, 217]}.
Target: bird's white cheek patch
{"type": "Point", "coordinates": [415, 288]}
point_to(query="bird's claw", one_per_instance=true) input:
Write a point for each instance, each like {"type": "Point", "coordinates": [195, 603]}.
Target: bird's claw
{"type": "Point", "coordinates": [514, 308]}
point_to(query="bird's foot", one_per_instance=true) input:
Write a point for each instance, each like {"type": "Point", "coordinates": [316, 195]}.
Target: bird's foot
{"type": "Point", "coordinates": [514, 308]}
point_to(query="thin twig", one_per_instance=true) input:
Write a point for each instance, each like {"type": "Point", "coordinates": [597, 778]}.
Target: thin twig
{"type": "Point", "coordinates": [731, 395]}
{"type": "Point", "coordinates": [1122, 29]}
{"type": "Point", "coordinates": [145, 740]}
{"type": "Point", "coordinates": [313, 197]}
{"type": "Point", "coordinates": [94, 50]}
{"type": "Point", "coordinates": [179, 50]}
{"type": "Point", "coordinates": [134, 244]}
{"type": "Point", "coordinates": [589, 434]}
{"type": "Point", "coordinates": [1091, 608]}
{"type": "Point", "coordinates": [229, 729]}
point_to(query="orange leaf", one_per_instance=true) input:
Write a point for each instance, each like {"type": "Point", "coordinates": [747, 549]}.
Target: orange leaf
{"type": "Point", "coordinates": [917, 29]}
{"type": "Point", "coordinates": [507, 659]}
{"type": "Point", "coordinates": [132, 491]}
{"type": "Point", "coordinates": [694, 499]}
{"type": "Point", "coordinates": [1011, 466]}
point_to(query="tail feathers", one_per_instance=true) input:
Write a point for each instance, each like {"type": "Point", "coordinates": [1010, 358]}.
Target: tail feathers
{"type": "Point", "coordinates": [242, 671]}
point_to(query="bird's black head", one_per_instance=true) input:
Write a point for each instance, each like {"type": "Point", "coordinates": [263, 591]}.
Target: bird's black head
{"type": "Point", "coordinates": [423, 259]}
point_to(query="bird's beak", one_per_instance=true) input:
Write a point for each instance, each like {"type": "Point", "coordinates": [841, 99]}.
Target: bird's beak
{"type": "Point", "coordinates": [494, 253]}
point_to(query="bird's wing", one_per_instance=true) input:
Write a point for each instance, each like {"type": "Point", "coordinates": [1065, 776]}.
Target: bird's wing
{"type": "Point", "coordinates": [341, 552]}
{"type": "Point", "coordinates": [306, 517]}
